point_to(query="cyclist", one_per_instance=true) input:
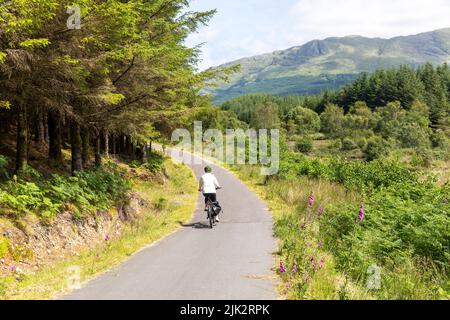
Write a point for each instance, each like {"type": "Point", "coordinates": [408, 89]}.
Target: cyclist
{"type": "Point", "coordinates": [209, 186]}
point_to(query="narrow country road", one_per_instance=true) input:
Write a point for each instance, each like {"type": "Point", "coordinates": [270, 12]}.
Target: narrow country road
{"type": "Point", "coordinates": [233, 261]}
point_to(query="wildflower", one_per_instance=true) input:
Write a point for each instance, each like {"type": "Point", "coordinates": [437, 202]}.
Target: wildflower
{"type": "Point", "coordinates": [361, 214]}
{"type": "Point", "coordinates": [314, 264]}
{"type": "Point", "coordinates": [107, 238]}
{"type": "Point", "coordinates": [282, 267]}
{"type": "Point", "coordinates": [320, 244]}
{"type": "Point", "coordinates": [311, 199]}
{"type": "Point", "coordinates": [13, 268]}
{"type": "Point", "coordinates": [321, 210]}
{"type": "Point", "coordinates": [322, 263]}
{"type": "Point", "coordinates": [2, 260]}
{"type": "Point", "coordinates": [294, 268]}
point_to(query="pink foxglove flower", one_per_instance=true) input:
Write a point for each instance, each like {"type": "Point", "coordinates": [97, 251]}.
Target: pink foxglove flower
{"type": "Point", "coordinates": [322, 263]}
{"type": "Point", "coordinates": [361, 214]}
{"type": "Point", "coordinates": [282, 267]}
{"type": "Point", "coordinates": [13, 268]}
{"type": "Point", "coordinates": [321, 210]}
{"type": "Point", "coordinates": [294, 268]}
{"type": "Point", "coordinates": [311, 199]}
{"type": "Point", "coordinates": [314, 264]}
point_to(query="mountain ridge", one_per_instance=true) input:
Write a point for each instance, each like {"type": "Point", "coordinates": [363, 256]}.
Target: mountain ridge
{"type": "Point", "coordinates": [304, 69]}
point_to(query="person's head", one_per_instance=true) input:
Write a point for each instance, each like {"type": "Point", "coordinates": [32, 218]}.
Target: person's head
{"type": "Point", "coordinates": [208, 169]}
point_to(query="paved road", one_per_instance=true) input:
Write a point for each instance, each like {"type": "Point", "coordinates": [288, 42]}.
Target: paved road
{"type": "Point", "coordinates": [232, 261]}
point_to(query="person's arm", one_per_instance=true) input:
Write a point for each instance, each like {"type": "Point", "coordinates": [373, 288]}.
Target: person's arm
{"type": "Point", "coordinates": [216, 183]}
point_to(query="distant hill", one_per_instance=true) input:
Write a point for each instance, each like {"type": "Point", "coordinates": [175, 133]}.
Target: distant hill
{"type": "Point", "coordinates": [330, 63]}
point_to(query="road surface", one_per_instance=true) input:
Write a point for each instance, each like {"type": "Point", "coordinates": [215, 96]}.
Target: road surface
{"type": "Point", "coordinates": [233, 261]}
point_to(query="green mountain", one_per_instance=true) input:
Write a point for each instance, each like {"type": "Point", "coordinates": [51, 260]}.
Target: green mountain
{"type": "Point", "coordinates": [330, 63]}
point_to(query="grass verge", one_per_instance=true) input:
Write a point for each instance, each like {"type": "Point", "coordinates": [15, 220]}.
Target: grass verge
{"type": "Point", "coordinates": [302, 278]}
{"type": "Point", "coordinates": [163, 218]}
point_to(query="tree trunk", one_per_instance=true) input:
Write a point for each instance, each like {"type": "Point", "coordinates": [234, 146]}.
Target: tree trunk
{"type": "Point", "coordinates": [106, 139]}
{"type": "Point", "coordinates": [55, 138]}
{"type": "Point", "coordinates": [46, 135]}
{"type": "Point", "coordinates": [40, 129]}
{"type": "Point", "coordinates": [143, 153]}
{"type": "Point", "coordinates": [97, 147]}
{"type": "Point", "coordinates": [114, 144]}
{"type": "Point", "coordinates": [65, 129]}
{"type": "Point", "coordinates": [121, 140]}
{"type": "Point", "coordinates": [128, 145]}
{"type": "Point", "coordinates": [85, 146]}
{"type": "Point", "coordinates": [76, 147]}
{"type": "Point", "coordinates": [22, 140]}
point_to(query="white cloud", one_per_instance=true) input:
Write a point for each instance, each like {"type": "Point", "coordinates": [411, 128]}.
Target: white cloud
{"type": "Point", "coordinates": [380, 18]}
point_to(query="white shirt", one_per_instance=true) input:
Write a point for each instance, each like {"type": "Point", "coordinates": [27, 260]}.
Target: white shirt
{"type": "Point", "coordinates": [209, 183]}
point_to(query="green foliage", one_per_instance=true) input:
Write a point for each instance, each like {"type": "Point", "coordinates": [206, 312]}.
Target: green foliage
{"type": "Point", "coordinates": [404, 230]}
{"type": "Point", "coordinates": [155, 163]}
{"type": "Point", "coordinates": [376, 148]}
{"type": "Point", "coordinates": [135, 164]}
{"type": "Point", "coordinates": [266, 116]}
{"type": "Point", "coordinates": [87, 192]}
{"type": "Point", "coordinates": [352, 174]}
{"type": "Point", "coordinates": [304, 145]}
{"type": "Point", "coordinates": [333, 121]}
{"type": "Point", "coordinates": [4, 246]}
{"type": "Point", "coordinates": [440, 140]}
{"type": "Point", "coordinates": [303, 121]}
{"type": "Point", "coordinates": [348, 144]}
{"type": "Point", "coordinates": [407, 222]}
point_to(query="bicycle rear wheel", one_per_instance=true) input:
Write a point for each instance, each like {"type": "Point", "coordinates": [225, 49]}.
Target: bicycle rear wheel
{"type": "Point", "coordinates": [211, 218]}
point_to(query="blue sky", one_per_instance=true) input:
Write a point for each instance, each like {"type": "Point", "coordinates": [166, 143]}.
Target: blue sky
{"type": "Point", "coordinates": [243, 28]}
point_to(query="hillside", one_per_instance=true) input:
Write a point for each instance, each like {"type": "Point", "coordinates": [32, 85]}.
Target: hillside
{"type": "Point", "coordinates": [330, 63]}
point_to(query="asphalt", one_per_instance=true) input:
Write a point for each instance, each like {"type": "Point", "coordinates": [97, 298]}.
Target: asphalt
{"type": "Point", "coordinates": [233, 261]}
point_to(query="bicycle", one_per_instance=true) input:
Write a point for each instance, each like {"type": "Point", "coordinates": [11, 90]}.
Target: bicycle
{"type": "Point", "coordinates": [211, 214]}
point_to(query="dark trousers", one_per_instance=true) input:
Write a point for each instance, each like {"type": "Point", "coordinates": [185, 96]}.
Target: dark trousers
{"type": "Point", "coordinates": [210, 196]}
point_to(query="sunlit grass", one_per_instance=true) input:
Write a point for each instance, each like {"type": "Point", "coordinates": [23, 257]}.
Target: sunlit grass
{"type": "Point", "coordinates": [180, 196]}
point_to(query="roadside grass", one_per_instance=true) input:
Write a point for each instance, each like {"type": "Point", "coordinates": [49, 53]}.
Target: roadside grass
{"type": "Point", "coordinates": [171, 204]}
{"type": "Point", "coordinates": [288, 202]}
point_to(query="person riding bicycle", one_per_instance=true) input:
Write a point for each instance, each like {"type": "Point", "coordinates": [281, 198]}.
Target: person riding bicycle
{"type": "Point", "coordinates": [208, 186]}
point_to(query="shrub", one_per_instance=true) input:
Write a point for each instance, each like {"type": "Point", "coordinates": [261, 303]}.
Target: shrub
{"type": "Point", "coordinates": [348, 144]}
{"type": "Point", "coordinates": [304, 145]}
{"type": "Point", "coordinates": [87, 192]}
{"type": "Point", "coordinates": [376, 148]}
{"type": "Point", "coordinates": [361, 143]}
{"type": "Point", "coordinates": [155, 163]}
{"type": "Point", "coordinates": [135, 164]}
{"type": "Point", "coordinates": [440, 140]}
